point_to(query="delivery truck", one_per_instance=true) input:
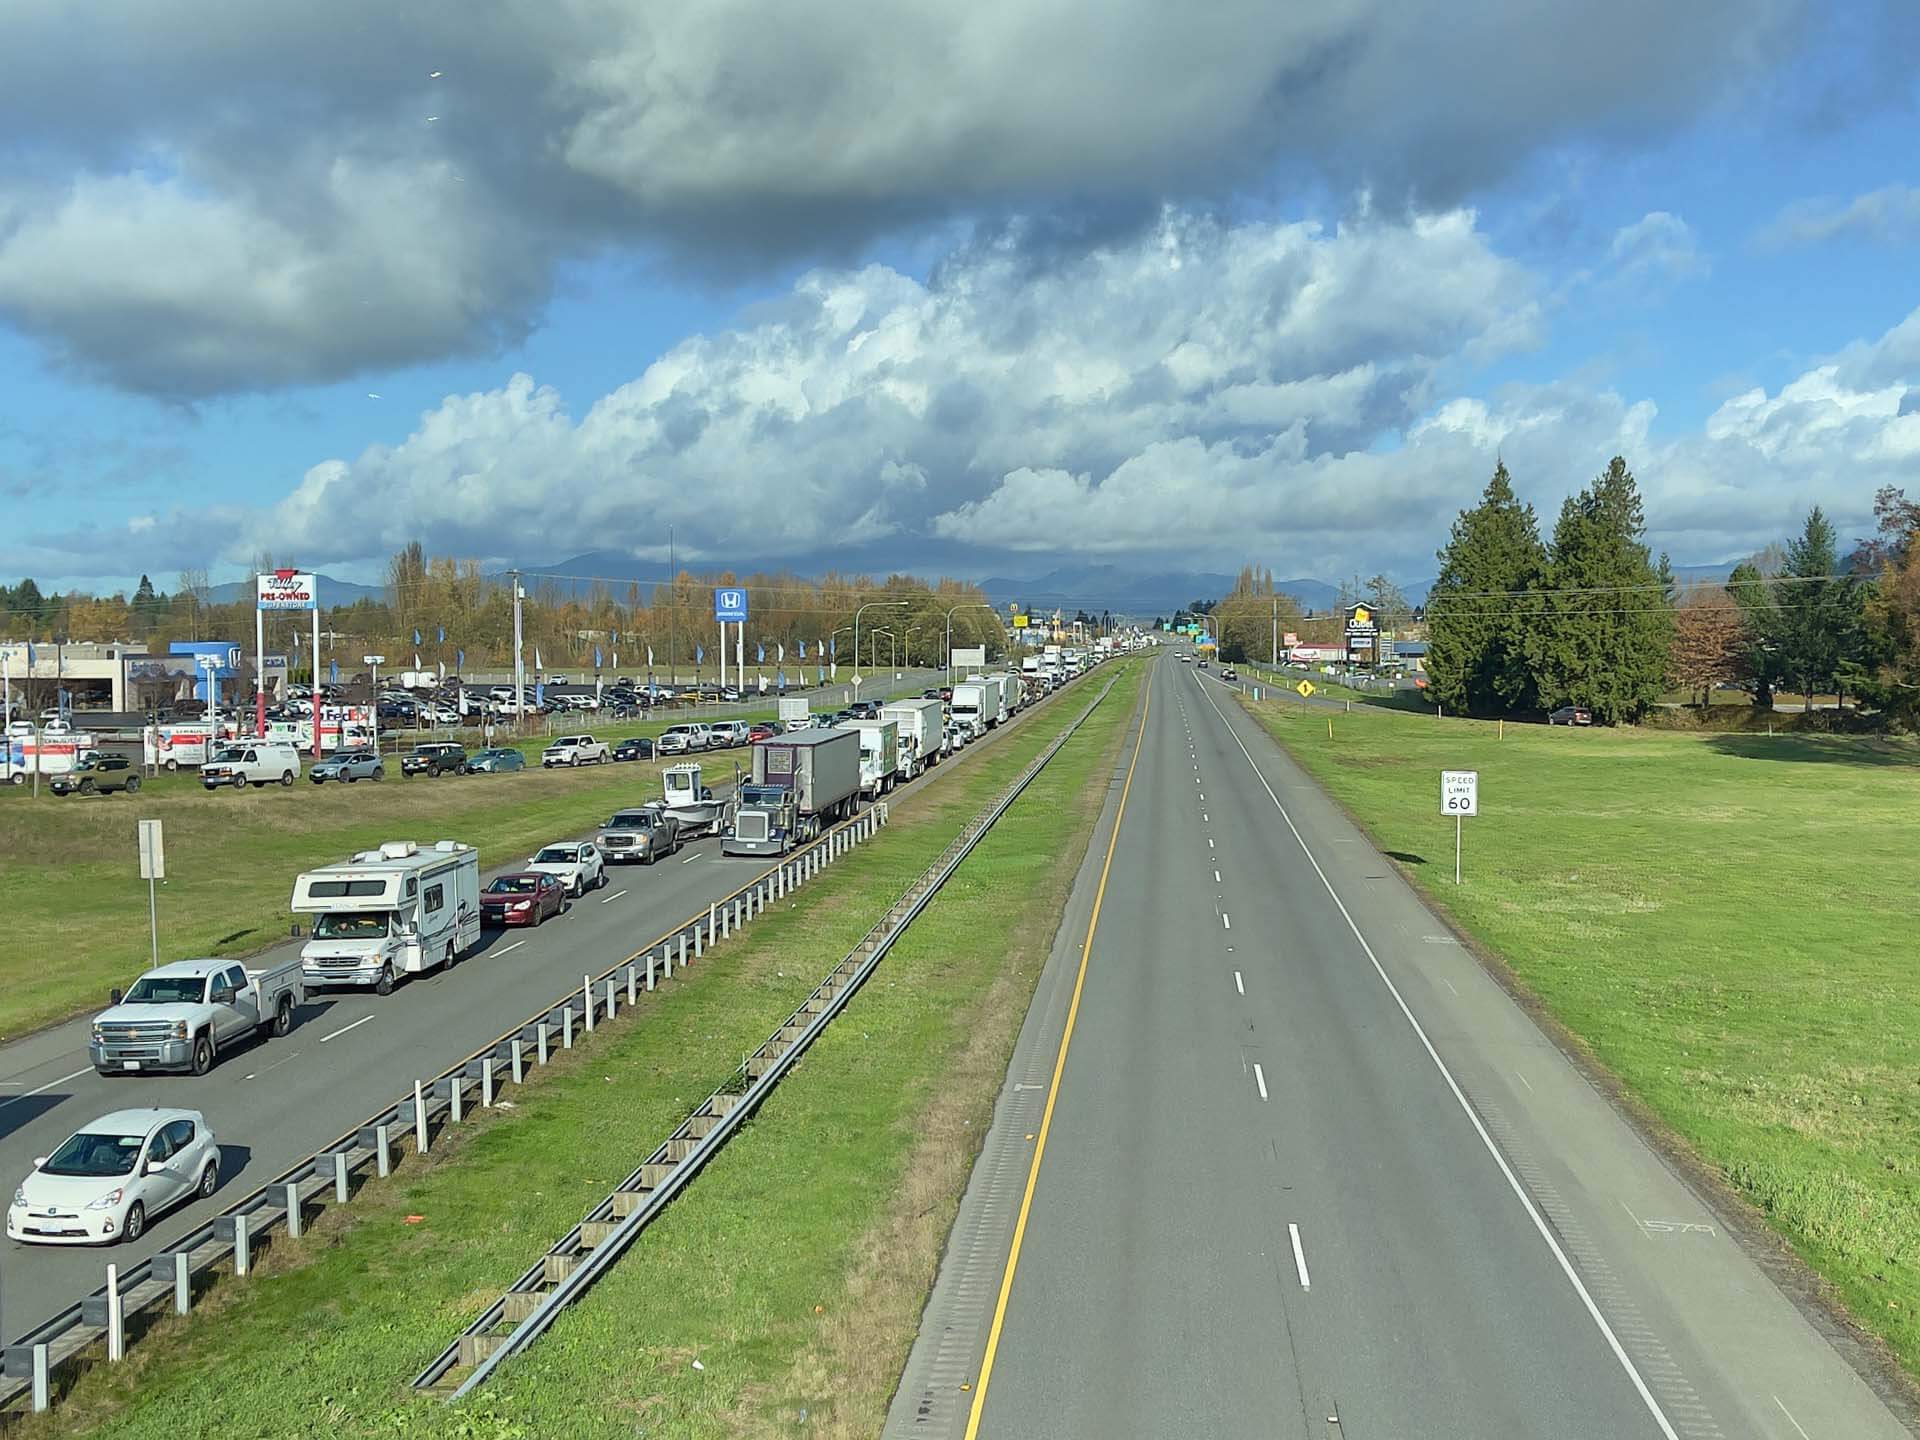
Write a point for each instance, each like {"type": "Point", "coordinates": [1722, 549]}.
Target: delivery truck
{"type": "Point", "coordinates": [975, 706]}
{"type": "Point", "coordinates": [801, 784]}
{"type": "Point", "coordinates": [399, 910]}
{"type": "Point", "coordinates": [920, 722]}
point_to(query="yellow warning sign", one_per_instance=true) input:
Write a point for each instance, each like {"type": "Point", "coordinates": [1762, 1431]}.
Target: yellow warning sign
{"type": "Point", "coordinates": [1020, 622]}
{"type": "Point", "coordinates": [1305, 687]}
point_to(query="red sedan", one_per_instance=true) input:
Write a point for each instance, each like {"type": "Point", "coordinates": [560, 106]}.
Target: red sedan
{"type": "Point", "coordinates": [524, 899]}
{"type": "Point", "coordinates": [762, 731]}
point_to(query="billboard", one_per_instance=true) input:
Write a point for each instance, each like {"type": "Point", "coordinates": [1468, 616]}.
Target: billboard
{"type": "Point", "coordinates": [969, 657]}
{"type": "Point", "coordinates": [730, 604]}
{"type": "Point", "coordinates": [287, 590]}
{"type": "Point", "coordinates": [161, 669]}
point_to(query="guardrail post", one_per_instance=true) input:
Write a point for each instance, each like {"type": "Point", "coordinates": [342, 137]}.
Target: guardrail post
{"type": "Point", "coordinates": [519, 1062]}
{"type": "Point", "coordinates": [182, 1284]}
{"type": "Point", "coordinates": [586, 999]}
{"type": "Point", "coordinates": [612, 992]}
{"type": "Point", "coordinates": [293, 1209]}
{"type": "Point", "coordinates": [382, 1159]}
{"type": "Point", "coordinates": [713, 909]}
{"type": "Point", "coordinates": [633, 986]}
{"type": "Point", "coordinates": [455, 1085]}
{"type": "Point", "coordinates": [340, 1176]}
{"type": "Point", "coordinates": [486, 1083]}
{"type": "Point", "coordinates": [780, 881]}
{"type": "Point", "coordinates": [683, 951]}
{"type": "Point", "coordinates": [668, 954]}
{"type": "Point", "coordinates": [41, 1396]}
{"type": "Point", "coordinates": [242, 1248]}
{"type": "Point", "coordinates": [699, 946]}
{"type": "Point", "coordinates": [726, 922]}
{"type": "Point", "coordinates": [419, 1120]}
{"type": "Point", "coordinates": [566, 1027]}
{"type": "Point", "coordinates": [116, 1334]}
{"type": "Point", "coordinates": [543, 1042]}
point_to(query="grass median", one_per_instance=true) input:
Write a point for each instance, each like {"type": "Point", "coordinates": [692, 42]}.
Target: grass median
{"type": "Point", "coordinates": [785, 1270]}
{"type": "Point", "coordinates": [1723, 920]}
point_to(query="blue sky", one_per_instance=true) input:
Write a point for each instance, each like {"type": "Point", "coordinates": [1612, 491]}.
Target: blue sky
{"type": "Point", "coordinates": [831, 286]}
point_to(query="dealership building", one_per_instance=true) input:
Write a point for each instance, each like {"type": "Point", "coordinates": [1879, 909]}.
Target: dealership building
{"type": "Point", "coordinates": [122, 676]}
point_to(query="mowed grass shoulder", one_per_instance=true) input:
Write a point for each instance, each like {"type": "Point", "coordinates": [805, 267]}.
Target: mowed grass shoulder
{"type": "Point", "coordinates": [780, 1245]}
{"type": "Point", "coordinates": [1724, 920]}
{"type": "Point", "coordinates": [73, 909]}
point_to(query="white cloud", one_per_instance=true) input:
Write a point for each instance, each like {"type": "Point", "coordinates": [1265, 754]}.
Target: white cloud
{"type": "Point", "coordinates": [1657, 247]}
{"type": "Point", "coordinates": [1890, 215]}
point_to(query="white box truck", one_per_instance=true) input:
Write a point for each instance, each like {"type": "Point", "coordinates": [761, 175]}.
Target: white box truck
{"type": "Point", "coordinates": [879, 754]}
{"type": "Point", "coordinates": [999, 699]}
{"type": "Point", "coordinates": [921, 722]}
{"type": "Point", "coordinates": [801, 783]}
{"type": "Point", "coordinates": [970, 706]}
{"type": "Point", "coordinates": [398, 910]}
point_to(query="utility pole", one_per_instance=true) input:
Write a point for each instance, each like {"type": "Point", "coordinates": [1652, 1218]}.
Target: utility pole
{"type": "Point", "coordinates": [673, 604]}
{"type": "Point", "coordinates": [519, 660]}
{"type": "Point", "coordinates": [1276, 632]}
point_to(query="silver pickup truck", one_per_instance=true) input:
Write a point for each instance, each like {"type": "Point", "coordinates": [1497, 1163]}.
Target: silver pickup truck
{"type": "Point", "coordinates": [181, 1016]}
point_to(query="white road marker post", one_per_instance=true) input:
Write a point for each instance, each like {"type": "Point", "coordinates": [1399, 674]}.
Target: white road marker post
{"type": "Point", "coordinates": [1459, 797]}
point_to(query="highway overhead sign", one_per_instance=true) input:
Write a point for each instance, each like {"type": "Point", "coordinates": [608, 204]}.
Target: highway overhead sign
{"type": "Point", "coordinates": [1459, 792]}
{"type": "Point", "coordinates": [1306, 688]}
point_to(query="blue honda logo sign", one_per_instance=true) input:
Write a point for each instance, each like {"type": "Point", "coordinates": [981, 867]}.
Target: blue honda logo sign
{"type": "Point", "coordinates": [729, 605]}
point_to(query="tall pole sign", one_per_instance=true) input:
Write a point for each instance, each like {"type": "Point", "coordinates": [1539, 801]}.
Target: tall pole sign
{"type": "Point", "coordinates": [730, 608]}
{"type": "Point", "coordinates": [281, 590]}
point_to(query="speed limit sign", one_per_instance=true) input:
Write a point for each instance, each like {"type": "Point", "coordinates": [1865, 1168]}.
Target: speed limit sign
{"type": "Point", "coordinates": [1459, 792]}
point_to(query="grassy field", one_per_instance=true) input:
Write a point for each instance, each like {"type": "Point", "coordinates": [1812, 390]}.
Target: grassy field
{"type": "Point", "coordinates": [793, 1271]}
{"type": "Point", "coordinates": [1724, 920]}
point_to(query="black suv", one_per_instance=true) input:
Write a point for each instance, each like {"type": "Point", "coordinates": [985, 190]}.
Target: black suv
{"type": "Point", "coordinates": [435, 759]}
{"type": "Point", "coordinates": [97, 773]}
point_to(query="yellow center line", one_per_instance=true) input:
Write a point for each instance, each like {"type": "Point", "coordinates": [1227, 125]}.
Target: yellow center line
{"type": "Point", "coordinates": [1053, 1091]}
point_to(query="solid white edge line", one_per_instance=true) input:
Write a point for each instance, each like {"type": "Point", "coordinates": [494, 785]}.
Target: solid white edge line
{"type": "Point", "coordinates": [344, 1028]}
{"type": "Point", "coordinates": [1513, 1181]}
{"type": "Point", "coordinates": [1299, 1256]}
{"type": "Point", "coordinates": [1260, 1079]}
{"type": "Point", "coordinates": [39, 1089]}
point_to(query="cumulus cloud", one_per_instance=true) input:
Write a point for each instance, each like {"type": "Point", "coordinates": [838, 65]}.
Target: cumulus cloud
{"type": "Point", "coordinates": [1890, 215]}
{"type": "Point", "coordinates": [1656, 248]}
{"type": "Point", "coordinates": [272, 193]}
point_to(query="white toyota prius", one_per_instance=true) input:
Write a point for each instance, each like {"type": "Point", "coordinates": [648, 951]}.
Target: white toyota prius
{"type": "Point", "coordinates": [108, 1180]}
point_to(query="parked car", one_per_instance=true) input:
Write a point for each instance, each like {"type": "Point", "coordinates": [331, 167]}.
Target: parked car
{"type": "Point", "coordinates": [348, 765]}
{"type": "Point", "coordinates": [1571, 715]}
{"type": "Point", "coordinates": [495, 762]}
{"type": "Point", "coordinates": [104, 1182]}
{"type": "Point", "coordinates": [643, 834]}
{"type": "Point", "coordinates": [96, 773]}
{"type": "Point", "coordinates": [522, 899]}
{"type": "Point", "coordinates": [440, 757]}
{"type": "Point", "coordinates": [574, 750]}
{"type": "Point", "coordinates": [251, 762]}
{"type": "Point", "coordinates": [577, 865]}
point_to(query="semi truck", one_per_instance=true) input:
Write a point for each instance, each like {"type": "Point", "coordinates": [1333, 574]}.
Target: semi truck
{"type": "Point", "coordinates": [801, 783]}
{"type": "Point", "coordinates": [921, 722]}
{"type": "Point", "coordinates": [879, 754]}
{"type": "Point", "coordinates": [975, 705]}
{"type": "Point", "coordinates": [399, 910]}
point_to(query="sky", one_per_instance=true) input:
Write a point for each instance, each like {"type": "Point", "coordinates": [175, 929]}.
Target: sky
{"type": "Point", "coordinates": [983, 286]}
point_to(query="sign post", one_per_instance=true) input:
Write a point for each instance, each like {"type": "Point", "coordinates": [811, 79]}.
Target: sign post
{"type": "Point", "coordinates": [730, 608]}
{"type": "Point", "coordinates": [153, 868]}
{"type": "Point", "coordinates": [373, 704]}
{"type": "Point", "coordinates": [281, 590]}
{"type": "Point", "coordinates": [1459, 797]}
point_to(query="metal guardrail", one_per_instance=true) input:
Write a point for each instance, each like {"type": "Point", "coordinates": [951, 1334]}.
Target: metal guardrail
{"type": "Point", "coordinates": [572, 1265]}
{"type": "Point", "coordinates": [30, 1366]}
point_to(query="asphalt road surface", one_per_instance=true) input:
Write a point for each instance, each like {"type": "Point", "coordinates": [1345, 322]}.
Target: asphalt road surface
{"type": "Point", "coordinates": [352, 1052]}
{"type": "Point", "coordinates": [1308, 1172]}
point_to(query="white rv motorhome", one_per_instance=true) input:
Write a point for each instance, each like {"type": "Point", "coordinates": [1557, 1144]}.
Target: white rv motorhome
{"type": "Point", "coordinates": [389, 912]}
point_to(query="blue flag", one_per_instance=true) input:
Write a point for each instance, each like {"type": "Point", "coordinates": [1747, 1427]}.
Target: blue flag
{"type": "Point", "coordinates": [803, 649]}
{"type": "Point", "coordinates": [539, 692]}
{"type": "Point", "coordinates": [783, 679]}
{"type": "Point", "coordinates": [29, 657]}
{"type": "Point", "coordinates": [443, 635]}
{"type": "Point", "coordinates": [699, 654]}
{"type": "Point", "coordinates": [616, 637]}
{"type": "Point", "coordinates": [833, 647]}
{"type": "Point", "coordinates": [820, 674]}
{"type": "Point", "coordinates": [760, 654]}
{"type": "Point", "coordinates": [333, 672]}
{"type": "Point", "coordinates": [459, 659]}
{"type": "Point", "coordinates": [596, 657]}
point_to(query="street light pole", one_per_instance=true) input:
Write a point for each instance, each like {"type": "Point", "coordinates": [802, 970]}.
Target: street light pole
{"type": "Point", "coordinates": [870, 605]}
{"type": "Point", "coordinates": [374, 694]}
{"type": "Point", "coordinates": [946, 660]}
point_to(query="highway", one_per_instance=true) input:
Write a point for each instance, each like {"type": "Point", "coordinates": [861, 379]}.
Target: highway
{"type": "Point", "coordinates": [352, 1052]}
{"type": "Point", "coordinates": [1302, 1169]}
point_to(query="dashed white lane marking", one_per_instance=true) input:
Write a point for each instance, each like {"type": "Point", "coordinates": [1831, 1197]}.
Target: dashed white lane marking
{"type": "Point", "coordinates": [1448, 983]}
{"type": "Point", "coordinates": [25, 1094]}
{"type": "Point", "coordinates": [505, 948]}
{"type": "Point", "coordinates": [1226, 922]}
{"type": "Point", "coordinates": [1299, 1256]}
{"type": "Point", "coordinates": [690, 859]}
{"type": "Point", "coordinates": [608, 900]}
{"type": "Point", "coordinates": [1260, 1079]}
{"type": "Point", "coordinates": [1210, 844]}
{"type": "Point", "coordinates": [344, 1028]}
{"type": "Point", "coordinates": [1216, 877]}
{"type": "Point", "coordinates": [1238, 983]}
{"type": "Point", "coordinates": [1524, 1081]}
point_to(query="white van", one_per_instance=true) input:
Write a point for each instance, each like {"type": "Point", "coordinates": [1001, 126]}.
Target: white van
{"type": "Point", "coordinates": [251, 762]}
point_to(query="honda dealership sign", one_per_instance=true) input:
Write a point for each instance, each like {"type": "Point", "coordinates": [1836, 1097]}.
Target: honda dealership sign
{"type": "Point", "coordinates": [287, 590]}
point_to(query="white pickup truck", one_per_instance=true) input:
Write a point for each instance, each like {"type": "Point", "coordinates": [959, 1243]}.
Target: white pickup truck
{"type": "Point", "coordinates": [575, 750]}
{"type": "Point", "coordinates": [181, 1016]}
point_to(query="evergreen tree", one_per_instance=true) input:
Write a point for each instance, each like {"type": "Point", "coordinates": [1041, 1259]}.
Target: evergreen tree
{"type": "Point", "coordinates": [1476, 611]}
{"type": "Point", "coordinates": [1604, 630]}
{"type": "Point", "coordinates": [1820, 622]}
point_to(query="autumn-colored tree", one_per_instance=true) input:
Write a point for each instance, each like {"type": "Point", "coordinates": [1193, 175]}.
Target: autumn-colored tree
{"type": "Point", "coordinates": [1708, 642]}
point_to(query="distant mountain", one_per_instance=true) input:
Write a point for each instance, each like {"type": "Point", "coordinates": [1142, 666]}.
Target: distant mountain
{"type": "Point", "coordinates": [332, 592]}
{"type": "Point", "coordinates": [1108, 587]}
